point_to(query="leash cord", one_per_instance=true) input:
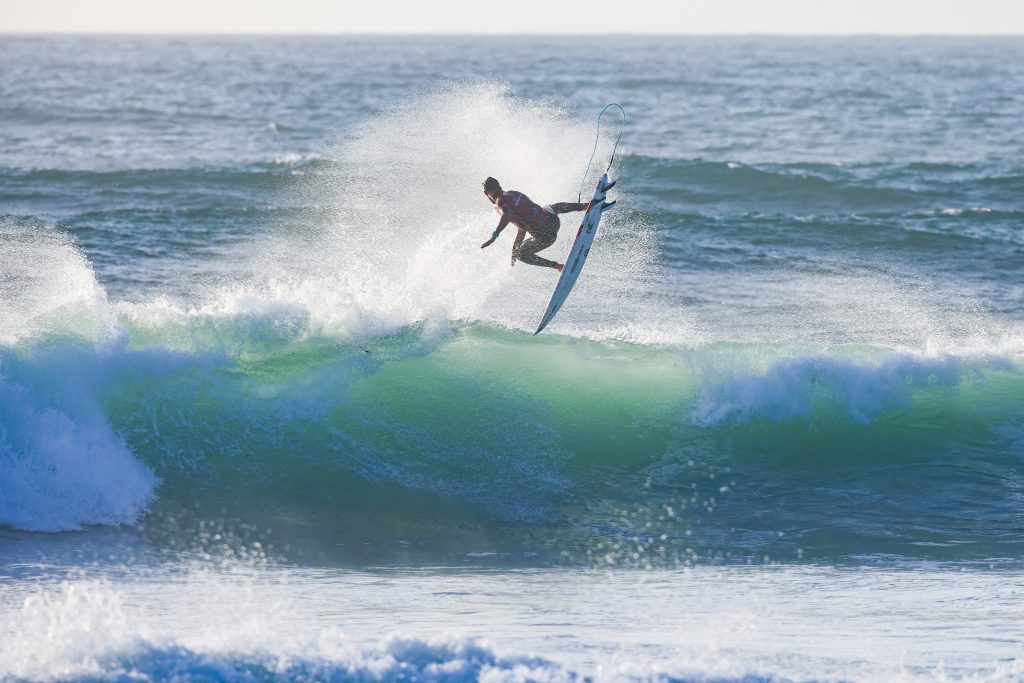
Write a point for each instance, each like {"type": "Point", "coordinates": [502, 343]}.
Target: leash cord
{"type": "Point", "coordinates": [597, 138]}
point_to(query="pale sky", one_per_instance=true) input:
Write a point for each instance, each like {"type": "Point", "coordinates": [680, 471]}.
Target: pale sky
{"type": "Point", "coordinates": [822, 17]}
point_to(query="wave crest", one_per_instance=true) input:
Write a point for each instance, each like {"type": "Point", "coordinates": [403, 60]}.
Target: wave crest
{"type": "Point", "coordinates": [794, 388]}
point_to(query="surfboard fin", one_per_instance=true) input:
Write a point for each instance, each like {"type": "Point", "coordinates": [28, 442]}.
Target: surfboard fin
{"type": "Point", "coordinates": [607, 206]}
{"type": "Point", "coordinates": [609, 186]}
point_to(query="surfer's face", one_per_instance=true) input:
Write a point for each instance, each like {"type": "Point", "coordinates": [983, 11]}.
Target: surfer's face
{"type": "Point", "coordinates": [490, 196]}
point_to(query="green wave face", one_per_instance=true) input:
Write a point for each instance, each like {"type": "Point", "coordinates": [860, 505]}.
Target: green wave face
{"type": "Point", "coordinates": [469, 436]}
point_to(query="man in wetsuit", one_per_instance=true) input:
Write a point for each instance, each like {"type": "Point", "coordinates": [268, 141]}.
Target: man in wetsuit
{"type": "Point", "coordinates": [540, 221]}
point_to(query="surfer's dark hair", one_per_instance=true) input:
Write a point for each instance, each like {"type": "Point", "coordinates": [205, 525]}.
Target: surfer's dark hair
{"type": "Point", "coordinates": [492, 185]}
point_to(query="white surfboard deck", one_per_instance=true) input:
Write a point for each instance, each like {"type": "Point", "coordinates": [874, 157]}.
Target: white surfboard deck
{"type": "Point", "coordinates": [579, 252]}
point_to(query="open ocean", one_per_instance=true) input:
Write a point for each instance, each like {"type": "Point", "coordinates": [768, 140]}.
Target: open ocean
{"type": "Point", "coordinates": [268, 412]}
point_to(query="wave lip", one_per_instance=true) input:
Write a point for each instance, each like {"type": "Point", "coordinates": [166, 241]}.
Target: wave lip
{"type": "Point", "coordinates": [60, 471]}
{"type": "Point", "coordinates": [794, 388]}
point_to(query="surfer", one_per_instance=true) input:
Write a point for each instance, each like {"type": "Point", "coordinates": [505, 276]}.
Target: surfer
{"type": "Point", "coordinates": [540, 221]}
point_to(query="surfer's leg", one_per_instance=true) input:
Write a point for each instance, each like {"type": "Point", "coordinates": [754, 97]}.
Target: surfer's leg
{"type": "Point", "coordinates": [528, 250]}
{"type": "Point", "coordinates": [568, 207]}
{"type": "Point", "coordinates": [535, 260]}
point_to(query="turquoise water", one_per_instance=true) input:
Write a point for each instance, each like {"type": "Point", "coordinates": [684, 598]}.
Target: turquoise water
{"type": "Point", "coordinates": [255, 367]}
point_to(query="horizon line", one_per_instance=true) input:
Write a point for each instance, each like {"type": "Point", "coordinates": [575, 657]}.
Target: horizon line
{"type": "Point", "coordinates": [438, 34]}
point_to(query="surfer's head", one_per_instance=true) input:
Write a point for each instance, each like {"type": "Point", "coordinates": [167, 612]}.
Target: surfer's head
{"type": "Point", "coordinates": [492, 188]}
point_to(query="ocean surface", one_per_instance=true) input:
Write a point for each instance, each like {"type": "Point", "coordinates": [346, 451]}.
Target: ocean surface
{"type": "Point", "coordinates": [269, 413]}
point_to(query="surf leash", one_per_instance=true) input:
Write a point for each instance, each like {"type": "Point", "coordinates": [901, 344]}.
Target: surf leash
{"type": "Point", "coordinates": [597, 138]}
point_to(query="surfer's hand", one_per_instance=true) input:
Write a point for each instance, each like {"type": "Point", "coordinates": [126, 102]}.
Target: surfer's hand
{"type": "Point", "coordinates": [487, 243]}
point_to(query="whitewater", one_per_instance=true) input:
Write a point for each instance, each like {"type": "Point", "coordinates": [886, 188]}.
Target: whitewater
{"type": "Point", "coordinates": [267, 411]}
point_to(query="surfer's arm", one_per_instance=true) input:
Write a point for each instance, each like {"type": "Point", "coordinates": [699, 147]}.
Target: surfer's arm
{"type": "Point", "coordinates": [506, 216]}
{"type": "Point", "coordinates": [515, 245]}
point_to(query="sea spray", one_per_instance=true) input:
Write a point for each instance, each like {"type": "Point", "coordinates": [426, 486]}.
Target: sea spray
{"type": "Point", "coordinates": [404, 214]}
{"type": "Point", "coordinates": [47, 286]}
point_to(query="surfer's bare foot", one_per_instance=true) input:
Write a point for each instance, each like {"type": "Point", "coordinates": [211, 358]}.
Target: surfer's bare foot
{"type": "Point", "coordinates": [559, 266]}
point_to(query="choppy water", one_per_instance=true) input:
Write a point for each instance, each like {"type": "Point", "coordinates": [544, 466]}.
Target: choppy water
{"type": "Point", "coordinates": [255, 367]}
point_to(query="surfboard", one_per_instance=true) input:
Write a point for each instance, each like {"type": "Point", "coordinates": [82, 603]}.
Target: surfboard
{"type": "Point", "coordinates": [579, 252]}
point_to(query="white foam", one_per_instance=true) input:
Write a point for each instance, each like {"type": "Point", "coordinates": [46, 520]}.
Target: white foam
{"type": "Point", "coordinates": [295, 158]}
{"type": "Point", "coordinates": [714, 624]}
{"type": "Point", "coordinates": [62, 465]}
{"type": "Point", "coordinates": [83, 629]}
{"type": "Point", "coordinates": [960, 211]}
{"type": "Point", "coordinates": [859, 389]}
